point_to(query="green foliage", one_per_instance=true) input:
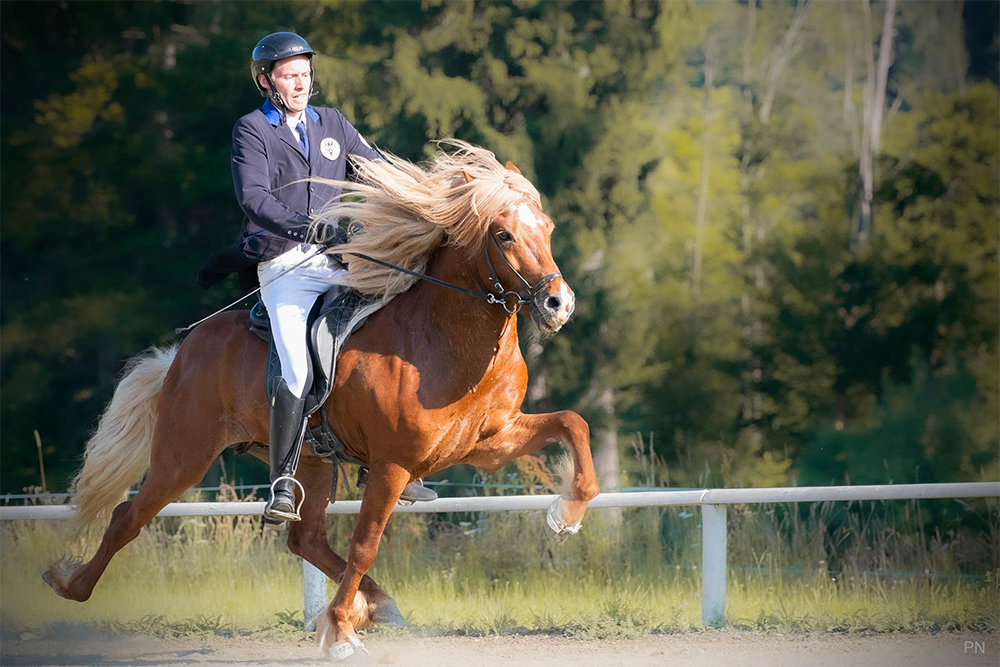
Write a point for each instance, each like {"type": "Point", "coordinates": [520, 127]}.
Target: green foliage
{"type": "Point", "coordinates": [699, 160]}
{"type": "Point", "coordinates": [919, 432]}
{"type": "Point", "coordinates": [620, 616]}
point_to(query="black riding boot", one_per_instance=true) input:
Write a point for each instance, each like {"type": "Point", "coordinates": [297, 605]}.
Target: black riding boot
{"type": "Point", "coordinates": [413, 492]}
{"type": "Point", "coordinates": [287, 429]}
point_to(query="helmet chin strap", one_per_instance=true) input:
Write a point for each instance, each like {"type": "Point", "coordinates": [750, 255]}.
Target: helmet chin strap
{"type": "Point", "coordinates": [276, 98]}
{"type": "Point", "coordinates": [272, 94]}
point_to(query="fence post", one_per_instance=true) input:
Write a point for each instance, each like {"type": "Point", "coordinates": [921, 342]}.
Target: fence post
{"type": "Point", "coordinates": [313, 594]}
{"type": "Point", "coordinates": [713, 565]}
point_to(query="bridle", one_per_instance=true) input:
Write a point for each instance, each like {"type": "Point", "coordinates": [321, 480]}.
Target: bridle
{"type": "Point", "coordinates": [503, 296]}
{"type": "Point", "coordinates": [498, 286]}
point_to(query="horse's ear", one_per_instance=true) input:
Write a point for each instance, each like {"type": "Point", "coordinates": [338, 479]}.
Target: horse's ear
{"type": "Point", "coordinates": [510, 167]}
{"type": "Point", "coordinates": [461, 178]}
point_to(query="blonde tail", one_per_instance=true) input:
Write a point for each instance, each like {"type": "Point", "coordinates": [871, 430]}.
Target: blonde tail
{"type": "Point", "coordinates": [117, 454]}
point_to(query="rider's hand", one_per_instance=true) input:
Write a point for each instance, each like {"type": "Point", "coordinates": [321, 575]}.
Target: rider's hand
{"type": "Point", "coordinates": [330, 234]}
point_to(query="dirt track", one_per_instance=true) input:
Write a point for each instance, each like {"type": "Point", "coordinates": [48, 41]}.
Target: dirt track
{"type": "Point", "coordinates": [711, 648]}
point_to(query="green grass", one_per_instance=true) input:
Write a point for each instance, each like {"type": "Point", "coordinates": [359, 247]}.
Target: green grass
{"type": "Point", "coordinates": [829, 568]}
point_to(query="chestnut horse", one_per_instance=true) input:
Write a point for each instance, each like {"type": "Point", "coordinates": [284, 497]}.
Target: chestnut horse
{"type": "Point", "coordinates": [434, 377]}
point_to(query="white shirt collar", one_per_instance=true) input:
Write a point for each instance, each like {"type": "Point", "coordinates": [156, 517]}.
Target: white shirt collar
{"type": "Point", "coordinates": [293, 122]}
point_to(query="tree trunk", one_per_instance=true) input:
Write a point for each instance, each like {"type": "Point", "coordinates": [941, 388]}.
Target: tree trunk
{"type": "Point", "coordinates": [780, 57]}
{"type": "Point", "coordinates": [874, 109]}
{"type": "Point", "coordinates": [537, 390]}
{"type": "Point", "coordinates": [605, 452]}
{"type": "Point", "coordinates": [702, 211]}
{"type": "Point", "coordinates": [605, 442]}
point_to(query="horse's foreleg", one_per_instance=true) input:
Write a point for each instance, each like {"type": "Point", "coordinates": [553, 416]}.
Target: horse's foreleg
{"type": "Point", "coordinates": [529, 433]}
{"type": "Point", "coordinates": [336, 630]}
{"type": "Point", "coordinates": [307, 539]}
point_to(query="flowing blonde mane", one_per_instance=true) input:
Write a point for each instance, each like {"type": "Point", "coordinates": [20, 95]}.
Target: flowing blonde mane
{"type": "Point", "coordinates": [400, 212]}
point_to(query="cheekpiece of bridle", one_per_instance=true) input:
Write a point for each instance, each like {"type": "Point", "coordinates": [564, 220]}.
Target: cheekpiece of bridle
{"type": "Point", "coordinates": [511, 296]}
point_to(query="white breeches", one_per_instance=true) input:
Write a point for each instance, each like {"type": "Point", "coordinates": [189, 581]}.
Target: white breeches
{"type": "Point", "coordinates": [288, 301]}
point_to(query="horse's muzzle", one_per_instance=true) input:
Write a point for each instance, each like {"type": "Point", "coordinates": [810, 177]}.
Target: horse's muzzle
{"type": "Point", "coordinates": [552, 306]}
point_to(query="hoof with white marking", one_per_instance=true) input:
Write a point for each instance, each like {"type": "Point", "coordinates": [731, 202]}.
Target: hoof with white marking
{"type": "Point", "coordinates": [556, 526]}
{"type": "Point", "coordinates": [346, 649]}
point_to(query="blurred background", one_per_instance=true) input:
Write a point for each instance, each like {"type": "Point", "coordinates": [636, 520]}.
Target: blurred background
{"type": "Point", "coordinates": [781, 219]}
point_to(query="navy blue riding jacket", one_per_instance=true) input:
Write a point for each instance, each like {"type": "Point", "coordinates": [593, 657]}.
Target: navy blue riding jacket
{"type": "Point", "coordinates": [269, 172]}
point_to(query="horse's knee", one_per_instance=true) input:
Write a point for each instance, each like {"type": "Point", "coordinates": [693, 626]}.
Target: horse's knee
{"type": "Point", "coordinates": [576, 427]}
{"type": "Point", "coordinates": [364, 548]}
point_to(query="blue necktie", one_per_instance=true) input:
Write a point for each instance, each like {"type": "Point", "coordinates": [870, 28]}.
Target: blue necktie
{"type": "Point", "coordinates": [300, 129]}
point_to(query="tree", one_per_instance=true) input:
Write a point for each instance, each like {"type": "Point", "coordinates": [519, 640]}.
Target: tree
{"type": "Point", "coordinates": [702, 163]}
{"type": "Point", "coordinates": [119, 119]}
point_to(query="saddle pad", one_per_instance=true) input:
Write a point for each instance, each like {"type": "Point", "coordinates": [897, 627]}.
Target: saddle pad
{"type": "Point", "coordinates": [327, 321]}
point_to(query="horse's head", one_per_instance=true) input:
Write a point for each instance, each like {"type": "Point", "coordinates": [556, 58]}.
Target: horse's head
{"type": "Point", "coordinates": [519, 259]}
{"type": "Point", "coordinates": [465, 200]}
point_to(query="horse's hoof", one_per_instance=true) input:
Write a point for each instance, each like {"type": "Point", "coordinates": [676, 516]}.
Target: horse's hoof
{"type": "Point", "coordinates": [341, 651]}
{"type": "Point", "coordinates": [387, 614]}
{"type": "Point", "coordinates": [556, 526]}
{"type": "Point", "coordinates": [346, 649]}
{"type": "Point", "coordinates": [56, 585]}
{"type": "Point", "coordinates": [553, 535]}
{"type": "Point", "coordinates": [59, 573]}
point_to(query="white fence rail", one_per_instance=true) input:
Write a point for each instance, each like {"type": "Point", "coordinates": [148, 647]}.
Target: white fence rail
{"type": "Point", "coordinates": [712, 501]}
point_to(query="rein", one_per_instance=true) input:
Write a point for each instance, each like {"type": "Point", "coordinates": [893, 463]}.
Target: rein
{"type": "Point", "coordinates": [488, 297]}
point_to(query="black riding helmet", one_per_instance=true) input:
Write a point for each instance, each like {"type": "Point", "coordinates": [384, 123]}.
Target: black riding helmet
{"type": "Point", "coordinates": [271, 49]}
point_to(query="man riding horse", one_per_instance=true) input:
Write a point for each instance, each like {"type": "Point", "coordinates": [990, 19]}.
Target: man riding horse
{"type": "Point", "coordinates": [435, 376]}
{"type": "Point", "coordinates": [279, 152]}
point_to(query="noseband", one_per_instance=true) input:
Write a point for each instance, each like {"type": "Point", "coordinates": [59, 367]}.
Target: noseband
{"type": "Point", "coordinates": [505, 295]}
{"type": "Point", "coordinates": [502, 296]}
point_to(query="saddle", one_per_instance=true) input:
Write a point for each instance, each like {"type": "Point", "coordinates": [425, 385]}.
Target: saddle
{"type": "Point", "coordinates": [328, 330]}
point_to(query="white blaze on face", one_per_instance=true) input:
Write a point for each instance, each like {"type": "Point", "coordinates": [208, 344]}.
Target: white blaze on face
{"type": "Point", "coordinates": [527, 216]}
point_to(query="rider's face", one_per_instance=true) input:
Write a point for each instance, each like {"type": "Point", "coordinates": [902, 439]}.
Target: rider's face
{"type": "Point", "coordinates": [292, 79]}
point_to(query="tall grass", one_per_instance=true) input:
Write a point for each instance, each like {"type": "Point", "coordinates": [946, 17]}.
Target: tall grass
{"type": "Point", "coordinates": [827, 566]}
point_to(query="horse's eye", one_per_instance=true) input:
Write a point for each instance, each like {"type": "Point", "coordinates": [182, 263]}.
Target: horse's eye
{"type": "Point", "coordinates": [504, 236]}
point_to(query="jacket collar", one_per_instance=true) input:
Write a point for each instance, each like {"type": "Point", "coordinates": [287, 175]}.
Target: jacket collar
{"type": "Point", "coordinates": [273, 115]}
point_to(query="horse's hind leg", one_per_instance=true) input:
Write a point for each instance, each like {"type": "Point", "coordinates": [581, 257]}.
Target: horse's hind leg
{"type": "Point", "coordinates": [170, 474]}
{"type": "Point", "coordinates": [307, 539]}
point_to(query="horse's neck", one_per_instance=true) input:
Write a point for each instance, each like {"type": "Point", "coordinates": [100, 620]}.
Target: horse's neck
{"type": "Point", "coordinates": [473, 324]}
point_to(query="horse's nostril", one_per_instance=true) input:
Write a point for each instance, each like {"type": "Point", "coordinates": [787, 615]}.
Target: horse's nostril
{"type": "Point", "coordinates": [552, 303]}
